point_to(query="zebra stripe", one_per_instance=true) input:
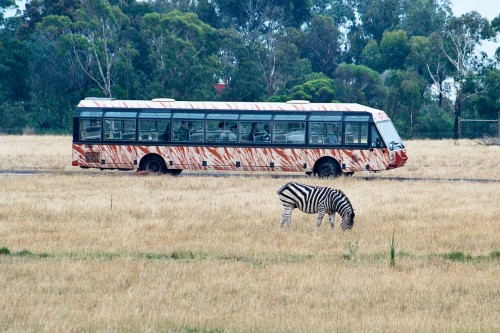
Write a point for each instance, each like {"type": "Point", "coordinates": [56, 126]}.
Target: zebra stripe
{"type": "Point", "coordinates": [316, 199]}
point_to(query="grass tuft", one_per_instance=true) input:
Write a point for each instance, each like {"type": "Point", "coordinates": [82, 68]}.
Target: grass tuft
{"type": "Point", "coordinates": [4, 251]}
{"type": "Point", "coordinates": [495, 254]}
{"type": "Point", "coordinates": [392, 254]}
{"type": "Point", "coordinates": [25, 253]}
{"type": "Point", "coordinates": [352, 249]}
{"type": "Point", "coordinates": [457, 256]}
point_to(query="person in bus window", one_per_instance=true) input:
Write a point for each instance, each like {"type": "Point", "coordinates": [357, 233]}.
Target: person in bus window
{"type": "Point", "coordinates": [233, 134]}
{"type": "Point", "coordinates": [166, 133]}
{"type": "Point", "coordinates": [267, 134]}
{"type": "Point", "coordinates": [334, 137]}
{"type": "Point", "coordinates": [254, 131]}
{"type": "Point", "coordinates": [183, 132]}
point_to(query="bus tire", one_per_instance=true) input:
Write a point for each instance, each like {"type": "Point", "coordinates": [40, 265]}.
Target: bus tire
{"type": "Point", "coordinates": [153, 163]}
{"type": "Point", "coordinates": [327, 168]}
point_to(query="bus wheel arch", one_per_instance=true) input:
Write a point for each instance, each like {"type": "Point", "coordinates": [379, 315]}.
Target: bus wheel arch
{"type": "Point", "coordinates": [153, 163]}
{"type": "Point", "coordinates": [327, 167]}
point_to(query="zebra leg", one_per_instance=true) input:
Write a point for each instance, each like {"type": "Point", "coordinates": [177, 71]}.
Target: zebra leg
{"type": "Point", "coordinates": [331, 218]}
{"type": "Point", "coordinates": [321, 213]}
{"type": "Point", "coordinates": [286, 216]}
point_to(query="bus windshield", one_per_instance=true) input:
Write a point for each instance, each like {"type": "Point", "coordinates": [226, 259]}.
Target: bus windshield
{"type": "Point", "coordinates": [390, 135]}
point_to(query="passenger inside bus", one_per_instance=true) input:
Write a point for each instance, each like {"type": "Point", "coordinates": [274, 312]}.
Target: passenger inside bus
{"type": "Point", "coordinates": [254, 131]}
{"type": "Point", "coordinates": [165, 135]}
{"type": "Point", "coordinates": [183, 132]}
{"type": "Point", "coordinates": [233, 134]}
{"type": "Point", "coordinates": [334, 137]}
{"type": "Point", "coordinates": [267, 134]}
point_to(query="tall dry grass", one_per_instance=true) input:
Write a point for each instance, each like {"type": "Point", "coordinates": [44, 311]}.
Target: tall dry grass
{"type": "Point", "coordinates": [129, 253]}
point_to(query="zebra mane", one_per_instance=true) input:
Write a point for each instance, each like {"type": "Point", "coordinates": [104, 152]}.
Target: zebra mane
{"type": "Point", "coordinates": [349, 209]}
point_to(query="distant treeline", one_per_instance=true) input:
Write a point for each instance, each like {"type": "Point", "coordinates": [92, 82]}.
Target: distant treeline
{"type": "Point", "coordinates": [411, 58]}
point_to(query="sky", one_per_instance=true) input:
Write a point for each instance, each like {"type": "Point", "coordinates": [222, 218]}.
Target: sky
{"type": "Point", "coordinates": [487, 8]}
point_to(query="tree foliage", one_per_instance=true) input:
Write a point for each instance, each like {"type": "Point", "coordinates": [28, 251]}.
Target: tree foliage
{"type": "Point", "coordinates": [412, 58]}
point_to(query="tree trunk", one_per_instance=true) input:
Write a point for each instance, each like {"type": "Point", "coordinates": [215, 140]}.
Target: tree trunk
{"type": "Point", "coordinates": [458, 114]}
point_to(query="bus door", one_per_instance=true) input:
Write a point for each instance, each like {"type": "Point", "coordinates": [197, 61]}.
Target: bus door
{"type": "Point", "coordinates": [89, 130]}
{"type": "Point", "coordinates": [255, 134]}
{"type": "Point", "coordinates": [377, 151]}
{"type": "Point", "coordinates": [356, 136]}
{"type": "Point", "coordinates": [118, 150]}
{"type": "Point", "coordinates": [222, 135]}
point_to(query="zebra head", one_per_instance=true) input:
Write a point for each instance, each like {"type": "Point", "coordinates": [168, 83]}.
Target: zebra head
{"type": "Point", "coordinates": [347, 221]}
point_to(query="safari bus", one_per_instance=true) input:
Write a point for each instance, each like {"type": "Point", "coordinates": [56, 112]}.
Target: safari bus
{"type": "Point", "coordinates": [169, 136]}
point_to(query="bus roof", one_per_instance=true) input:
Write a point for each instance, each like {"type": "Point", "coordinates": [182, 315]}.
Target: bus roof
{"type": "Point", "coordinates": [162, 103]}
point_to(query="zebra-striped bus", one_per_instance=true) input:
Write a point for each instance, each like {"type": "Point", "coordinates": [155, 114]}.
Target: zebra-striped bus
{"type": "Point", "coordinates": [168, 136]}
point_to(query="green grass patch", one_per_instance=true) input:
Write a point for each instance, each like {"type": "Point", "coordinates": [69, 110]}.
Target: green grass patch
{"type": "Point", "coordinates": [4, 251]}
{"type": "Point", "coordinates": [261, 259]}
{"type": "Point", "coordinates": [457, 256]}
{"type": "Point", "coordinates": [495, 254]}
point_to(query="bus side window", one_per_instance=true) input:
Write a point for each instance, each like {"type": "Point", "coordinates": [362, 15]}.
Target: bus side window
{"type": "Point", "coordinates": [90, 129]}
{"type": "Point", "coordinates": [188, 130]}
{"type": "Point", "coordinates": [356, 133]}
{"type": "Point", "coordinates": [119, 129]}
{"type": "Point", "coordinates": [317, 133]}
{"type": "Point", "coordinates": [255, 131]}
{"type": "Point", "coordinates": [289, 132]}
{"type": "Point", "coordinates": [154, 130]}
{"type": "Point", "coordinates": [376, 140]}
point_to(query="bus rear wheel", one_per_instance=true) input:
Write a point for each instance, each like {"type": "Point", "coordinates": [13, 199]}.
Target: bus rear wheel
{"type": "Point", "coordinates": [153, 164]}
{"type": "Point", "coordinates": [328, 168]}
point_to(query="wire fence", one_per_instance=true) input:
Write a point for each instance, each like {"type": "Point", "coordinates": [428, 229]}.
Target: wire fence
{"type": "Point", "coordinates": [473, 128]}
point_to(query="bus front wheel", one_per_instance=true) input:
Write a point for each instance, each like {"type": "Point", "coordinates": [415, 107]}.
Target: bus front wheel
{"type": "Point", "coordinates": [153, 164]}
{"type": "Point", "coordinates": [327, 168]}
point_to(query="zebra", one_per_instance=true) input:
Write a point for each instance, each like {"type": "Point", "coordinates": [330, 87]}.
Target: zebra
{"type": "Point", "coordinates": [316, 199]}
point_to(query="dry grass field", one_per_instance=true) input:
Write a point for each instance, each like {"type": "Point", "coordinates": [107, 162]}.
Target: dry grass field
{"type": "Point", "coordinates": [120, 252]}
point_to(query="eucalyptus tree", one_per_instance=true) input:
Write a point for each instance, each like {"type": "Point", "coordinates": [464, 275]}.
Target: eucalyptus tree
{"type": "Point", "coordinates": [394, 48]}
{"type": "Point", "coordinates": [183, 50]}
{"type": "Point", "coordinates": [36, 10]}
{"type": "Point", "coordinates": [460, 40]}
{"type": "Point", "coordinates": [97, 40]}
{"type": "Point", "coordinates": [322, 42]}
{"type": "Point", "coordinates": [404, 97]}
{"type": "Point", "coordinates": [358, 84]}
{"type": "Point", "coordinates": [485, 105]}
{"type": "Point", "coordinates": [428, 60]}
{"type": "Point", "coordinates": [378, 16]}
{"type": "Point", "coordinates": [249, 15]}
{"type": "Point", "coordinates": [343, 12]}
{"type": "Point", "coordinates": [424, 17]}
{"type": "Point", "coordinates": [318, 90]}
{"type": "Point", "coordinates": [371, 56]}
{"type": "Point", "coordinates": [4, 5]}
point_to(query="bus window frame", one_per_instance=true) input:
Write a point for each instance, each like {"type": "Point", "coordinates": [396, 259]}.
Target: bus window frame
{"type": "Point", "coordinates": [287, 134]}
{"type": "Point", "coordinates": [358, 119]}
{"type": "Point", "coordinates": [240, 117]}
{"type": "Point", "coordinates": [121, 131]}
{"type": "Point", "coordinates": [78, 133]}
